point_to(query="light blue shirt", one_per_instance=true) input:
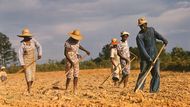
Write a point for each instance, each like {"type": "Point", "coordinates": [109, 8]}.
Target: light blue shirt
{"type": "Point", "coordinates": [146, 42]}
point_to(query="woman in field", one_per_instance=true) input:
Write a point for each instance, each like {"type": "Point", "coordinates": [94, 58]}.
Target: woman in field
{"type": "Point", "coordinates": [27, 56]}
{"type": "Point", "coordinates": [124, 53]}
{"type": "Point", "coordinates": [72, 45]}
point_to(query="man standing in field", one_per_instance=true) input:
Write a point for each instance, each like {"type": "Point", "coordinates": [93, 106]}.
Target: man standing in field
{"type": "Point", "coordinates": [72, 45]}
{"type": "Point", "coordinates": [146, 42]}
{"type": "Point", "coordinates": [124, 53]}
{"type": "Point", "coordinates": [115, 60]}
{"type": "Point", "coordinates": [27, 56]}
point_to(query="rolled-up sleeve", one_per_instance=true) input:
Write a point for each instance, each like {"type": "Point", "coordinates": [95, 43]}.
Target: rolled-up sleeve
{"type": "Point", "coordinates": [21, 52]}
{"type": "Point", "coordinates": [38, 46]}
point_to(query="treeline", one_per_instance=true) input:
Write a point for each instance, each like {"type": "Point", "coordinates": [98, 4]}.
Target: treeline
{"type": "Point", "coordinates": [176, 60]}
{"type": "Point", "coordinates": [8, 55]}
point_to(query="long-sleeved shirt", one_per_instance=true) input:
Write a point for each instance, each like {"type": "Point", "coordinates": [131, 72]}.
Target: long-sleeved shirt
{"type": "Point", "coordinates": [34, 44]}
{"type": "Point", "coordinates": [146, 42]}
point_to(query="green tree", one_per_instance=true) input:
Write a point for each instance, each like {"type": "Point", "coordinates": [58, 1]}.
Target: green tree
{"type": "Point", "coordinates": [135, 51]}
{"type": "Point", "coordinates": [165, 58]}
{"type": "Point", "coordinates": [180, 59]}
{"type": "Point", "coordinates": [7, 53]}
{"type": "Point", "coordinates": [177, 54]}
{"type": "Point", "coordinates": [159, 45]}
{"type": "Point", "coordinates": [103, 61]}
{"type": "Point", "coordinates": [104, 54]}
{"type": "Point", "coordinates": [90, 64]}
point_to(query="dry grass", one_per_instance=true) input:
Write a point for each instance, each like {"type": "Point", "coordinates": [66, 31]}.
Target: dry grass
{"type": "Point", "coordinates": [174, 91]}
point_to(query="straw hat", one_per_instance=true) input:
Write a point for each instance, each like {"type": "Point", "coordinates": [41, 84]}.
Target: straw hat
{"type": "Point", "coordinates": [25, 33]}
{"type": "Point", "coordinates": [3, 67]}
{"type": "Point", "coordinates": [114, 41]}
{"type": "Point", "coordinates": [124, 33]}
{"type": "Point", "coordinates": [141, 21]}
{"type": "Point", "coordinates": [75, 34]}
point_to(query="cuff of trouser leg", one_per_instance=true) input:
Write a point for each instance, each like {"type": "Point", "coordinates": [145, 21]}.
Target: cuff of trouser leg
{"type": "Point", "coordinates": [154, 91]}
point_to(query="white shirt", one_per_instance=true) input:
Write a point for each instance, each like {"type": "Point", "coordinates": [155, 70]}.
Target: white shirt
{"type": "Point", "coordinates": [114, 55]}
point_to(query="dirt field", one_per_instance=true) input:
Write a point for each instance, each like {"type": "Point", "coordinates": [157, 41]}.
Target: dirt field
{"type": "Point", "coordinates": [174, 91]}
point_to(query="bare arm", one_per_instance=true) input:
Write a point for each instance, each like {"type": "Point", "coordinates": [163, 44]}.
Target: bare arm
{"type": "Point", "coordinates": [83, 49]}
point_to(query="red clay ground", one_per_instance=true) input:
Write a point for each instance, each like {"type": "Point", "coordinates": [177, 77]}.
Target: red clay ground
{"type": "Point", "coordinates": [174, 91]}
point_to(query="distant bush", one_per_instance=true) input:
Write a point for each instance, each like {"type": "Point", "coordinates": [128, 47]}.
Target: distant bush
{"type": "Point", "coordinates": [13, 69]}
{"type": "Point", "coordinates": [177, 60]}
{"type": "Point", "coordinates": [51, 67]}
{"type": "Point", "coordinates": [88, 65]}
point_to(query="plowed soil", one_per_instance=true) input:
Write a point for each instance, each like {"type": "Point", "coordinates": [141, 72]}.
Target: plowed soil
{"type": "Point", "coordinates": [174, 91]}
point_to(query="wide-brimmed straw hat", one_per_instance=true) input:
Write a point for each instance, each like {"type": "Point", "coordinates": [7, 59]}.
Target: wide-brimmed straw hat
{"type": "Point", "coordinates": [25, 33]}
{"type": "Point", "coordinates": [141, 21]}
{"type": "Point", "coordinates": [3, 67]}
{"type": "Point", "coordinates": [114, 41]}
{"type": "Point", "coordinates": [124, 33]}
{"type": "Point", "coordinates": [75, 34]}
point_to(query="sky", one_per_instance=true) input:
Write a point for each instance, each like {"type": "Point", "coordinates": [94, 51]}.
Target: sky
{"type": "Point", "coordinates": [98, 20]}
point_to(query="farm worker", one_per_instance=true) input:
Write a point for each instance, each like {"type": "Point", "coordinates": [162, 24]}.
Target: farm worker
{"type": "Point", "coordinates": [115, 60]}
{"type": "Point", "coordinates": [3, 74]}
{"type": "Point", "coordinates": [146, 42]}
{"type": "Point", "coordinates": [27, 56]}
{"type": "Point", "coordinates": [124, 53]}
{"type": "Point", "coordinates": [72, 45]}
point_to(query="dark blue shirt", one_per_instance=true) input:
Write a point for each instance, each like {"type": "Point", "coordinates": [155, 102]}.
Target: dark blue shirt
{"type": "Point", "coordinates": [146, 42]}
